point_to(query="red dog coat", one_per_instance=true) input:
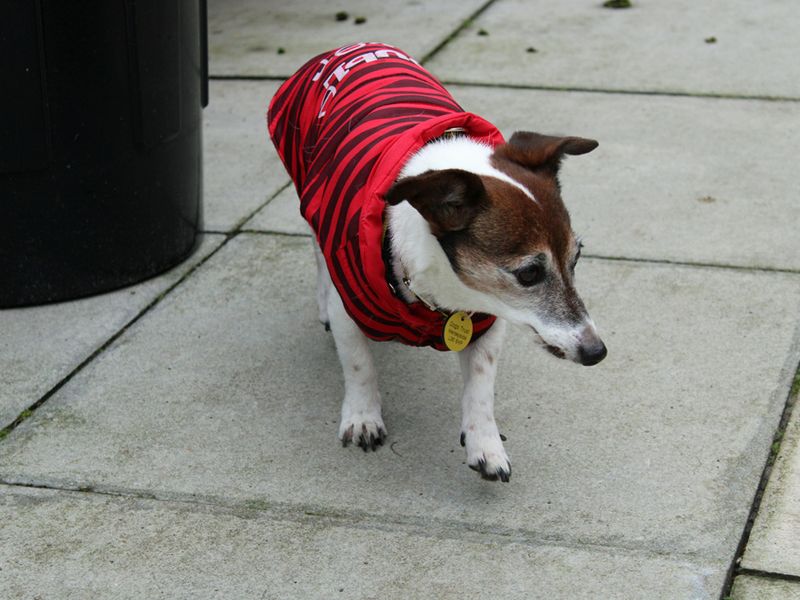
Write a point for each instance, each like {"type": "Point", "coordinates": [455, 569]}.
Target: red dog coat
{"type": "Point", "coordinates": [344, 126]}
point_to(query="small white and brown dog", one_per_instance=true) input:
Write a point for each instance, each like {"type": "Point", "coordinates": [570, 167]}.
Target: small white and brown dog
{"type": "Point", "coordinates": [469, 226]}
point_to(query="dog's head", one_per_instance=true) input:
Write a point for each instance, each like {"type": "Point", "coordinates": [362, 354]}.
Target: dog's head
{"type": "Point", "coordinates": [509, 237]}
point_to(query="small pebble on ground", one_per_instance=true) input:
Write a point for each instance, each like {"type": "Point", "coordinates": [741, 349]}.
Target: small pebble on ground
{"type": "Point", "coordinates": [617, 4]}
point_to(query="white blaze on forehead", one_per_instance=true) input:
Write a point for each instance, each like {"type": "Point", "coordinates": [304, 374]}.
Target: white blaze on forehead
{"type": "Point", "coordinates": [458, 153]}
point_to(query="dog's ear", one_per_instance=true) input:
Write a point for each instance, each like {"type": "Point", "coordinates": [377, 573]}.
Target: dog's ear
{"type": "Point", "coordinates": [449, 199]}
{"type": "Point", "coordinates": [543, 152]}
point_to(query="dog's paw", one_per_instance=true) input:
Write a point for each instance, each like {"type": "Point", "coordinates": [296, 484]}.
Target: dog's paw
{"type": "Point", "coordinates": [486, 455]}
{"type": "Point", "coordinates": [367, 434]}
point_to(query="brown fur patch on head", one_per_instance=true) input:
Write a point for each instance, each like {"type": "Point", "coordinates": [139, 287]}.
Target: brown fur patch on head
{"type": "Point", "coordinates": [511, 228]}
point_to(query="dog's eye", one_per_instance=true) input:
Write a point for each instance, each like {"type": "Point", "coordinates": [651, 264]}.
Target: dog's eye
{"type": "Point", "coordinates": [530, 275]}
{"type": "Point", "coordinates": [577, 256]}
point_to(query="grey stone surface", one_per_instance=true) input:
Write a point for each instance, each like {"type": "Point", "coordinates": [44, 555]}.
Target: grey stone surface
{"type": "Point", "coordinates": [72, 545]}
{"type": "Point", "coordinates": [246, 36]}
{"type": "Point", "coordinates": [41, 345]}
{"type": "Point", "coordinates": [241, 168]}
{"type": "Point", "coordinates": [673, 178]}
{"type": "Point", "coordinates": [204, 437]}
{"type": "Point", "coordinates": [281, 215]}
{"type": "Point", "coordinates": [654, 46]}
{"type": "Point", "coordinates": [747, 587]}
{"type": "Point", "coordinates": [230, 389]}
{"type": "Point", "coordinates": [774, 543]}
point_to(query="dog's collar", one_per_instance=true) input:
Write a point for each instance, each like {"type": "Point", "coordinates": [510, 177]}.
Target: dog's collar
{"type": "Point", "coordinates": [450, 134]}
{"type": "Point", "coordinates": [394, 284]}
{"type": "Point", "coordinates": [391, 278]}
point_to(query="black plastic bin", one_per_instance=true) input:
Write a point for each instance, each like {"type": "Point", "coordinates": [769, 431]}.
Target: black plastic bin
{"type": "Point", "coordinates": [100, 143]}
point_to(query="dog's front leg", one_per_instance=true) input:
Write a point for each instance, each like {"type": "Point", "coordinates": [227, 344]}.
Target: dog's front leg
{"type": "Point", "coordinates": [479, 434]}
{"type": "Point", "coordinates": [361, 410]}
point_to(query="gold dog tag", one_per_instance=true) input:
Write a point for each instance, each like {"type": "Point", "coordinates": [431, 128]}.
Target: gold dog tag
{"type": "Point", "coordinates": [457, 331]}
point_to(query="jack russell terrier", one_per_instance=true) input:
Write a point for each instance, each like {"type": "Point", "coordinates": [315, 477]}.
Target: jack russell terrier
{"type": "Point", "coordinates": [429, 229]}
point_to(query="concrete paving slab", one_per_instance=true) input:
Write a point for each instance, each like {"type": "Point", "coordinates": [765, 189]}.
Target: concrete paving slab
{"type": "Point", "coordinates": [673, 178]}
{"type": "Point", "coordinates": [774, 543]}
{"type": "Point", "coordinates": [41, 345]}
{"type": "Point", "coordinates": [231, 389]}
{"type": "Point", "coordinates": [251, 37]}
{"type": "Point", "coordinates": [281, 215]}
{"type": "Point", "coordinates": [72, 545]}
{"type": "Point", "coordinates": [747, 587]}
{"type": "Point", "coordinates": [242, 170]}
{"type": "Point", "coordinates": [682, 46]}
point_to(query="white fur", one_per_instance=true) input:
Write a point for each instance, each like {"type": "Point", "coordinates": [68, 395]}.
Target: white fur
{"type": "Point", "coordinates": [481, 437]}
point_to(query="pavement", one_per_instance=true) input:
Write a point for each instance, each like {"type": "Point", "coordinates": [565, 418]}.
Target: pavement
{"type": "Point", "coordinates": [177, 438]}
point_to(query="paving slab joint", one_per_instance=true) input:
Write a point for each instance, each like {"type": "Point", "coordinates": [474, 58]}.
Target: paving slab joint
{"type": "Point", "coordinates": [248, 77]}
{"type": "Point", "coordinates": [540, 88]}
{"type": "Point", "coordinates": [735, 569]}
{"type": "Point", "coordinates": [461, 27]}
{"type": "Point", "coordinates": [28, 412]}
{"type": "Point", "coordinates": [429, 527]}
{"type": "Point", "coordinates": [619, 91]}
{"type": "Point", "coordinates": [241, 222]}
{"type": "Point", "coordinates": [687, 263]}
{"type": "Point", "coordinates": [277, 233]}
{"type": "Point", "coordinates": [769, 575]}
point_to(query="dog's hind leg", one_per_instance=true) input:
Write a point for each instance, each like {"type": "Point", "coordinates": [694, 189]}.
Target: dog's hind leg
{"type": "Point", "coordinates": [323, 285]}
{"type": "Point", "coordinates": [361, 421]}
{"type": "Point", "coordinates": [479, 434]}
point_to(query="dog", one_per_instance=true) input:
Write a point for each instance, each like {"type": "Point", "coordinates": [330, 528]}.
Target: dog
{"type": "Point", "coordinates": [429, 229]}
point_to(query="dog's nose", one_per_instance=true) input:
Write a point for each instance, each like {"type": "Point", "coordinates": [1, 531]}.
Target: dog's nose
{"type": "Point", "coordinates": [592, 354]}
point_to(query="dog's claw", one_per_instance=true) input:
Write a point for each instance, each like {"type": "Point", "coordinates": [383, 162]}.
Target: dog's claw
{"type": "Point", "coordinates": [366, 440]}
{"type": "Point", "coordinates": [347, 437]}
{"type": "Point", "coordinates": [327, 325]}
{"type": "Point", "coordinates": [463, 439]}
{"type": "Point", "coordinates": [499, 472]}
